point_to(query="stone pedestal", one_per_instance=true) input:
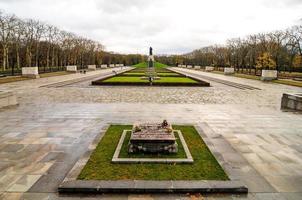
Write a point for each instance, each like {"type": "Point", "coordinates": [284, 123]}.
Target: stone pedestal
{"type": "Point", "coordinates": [291, 101]}
{"type": "Point", "coordinates": [209, 69]}
{"type": "Point", "coordinates": [7, 98]}
{"type": "Point", "coordinates": [197, 67]}
{"type": "Point", "coordinates": [229, 70]}
{"type": "Point", "coordinates": [92, 67]}
{"type": "Point", "coordinates": [268, 75]}
{"type": "Point", "coordinates": [71, 68]}
{"type": "Point", "coordinates": [30, 72]}
{"type": "Point", "coordinates": [152, 138]}
{"type": "Point", "coordinates": [104, 66]}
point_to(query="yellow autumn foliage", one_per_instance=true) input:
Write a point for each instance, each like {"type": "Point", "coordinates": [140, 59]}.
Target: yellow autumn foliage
{"type": "Point", "coordinates": [265, 62]}
{"type": "Point", "coordinates": [297, 62]}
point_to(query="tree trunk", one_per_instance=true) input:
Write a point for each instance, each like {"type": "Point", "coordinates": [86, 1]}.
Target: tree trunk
{"type": "Point", "coordinates": [53, 57]}
{"type": "Point", "coordinates": [47, 57]}
{"type": "Point", "coordinates": [4, 59]}
{"type": "Point", "coordinates": [28, 57]}
{"type": "Point", "coordinates": [37, 56]}
{"type": "Point", "coordinates": [18, 57]}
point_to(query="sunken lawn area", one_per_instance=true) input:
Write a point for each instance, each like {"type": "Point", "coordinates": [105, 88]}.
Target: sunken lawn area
{"type": "Point", "coordinates": [139, 77]}
{"type": "Point", "coordinates": [100, 167]}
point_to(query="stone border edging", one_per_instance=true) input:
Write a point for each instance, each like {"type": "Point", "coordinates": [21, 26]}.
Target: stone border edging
{"type": "Point", "coordinates": [139, 186]}
{"type": "Point", "coordinates": [116, 159]}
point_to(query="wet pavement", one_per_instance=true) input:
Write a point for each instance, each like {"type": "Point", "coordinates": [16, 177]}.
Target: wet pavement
{"type": "Point", "coordinates": [42, 138]}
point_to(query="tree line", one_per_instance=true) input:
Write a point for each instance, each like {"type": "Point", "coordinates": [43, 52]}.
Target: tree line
{"type": "Point", "coordinates": [280, 49]}
{"type": "Point", "coordinates": [26, 43]}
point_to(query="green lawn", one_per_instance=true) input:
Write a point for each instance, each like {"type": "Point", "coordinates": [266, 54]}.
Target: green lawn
{"type": "Point", "coordinates": [10, 79]}
{"type": "Point", "coordinates": [142, 73]}
{"type": "Point", "coordinates": [175, 80]}
{"type": "Point", "coordinates": [164, 74]}
{"type": "Point", "coordinates": [124, 151]}
{"type": "Point", "coordinates": [125, 79]}
{"type": "Point", "coordinates": [145, 64]}
{"type": "Point", "coordinates": [100, 167]}
{"type": "Point", "coordinates": [137, 79]}
{"type": "Point", "coordinates": [133, 74]}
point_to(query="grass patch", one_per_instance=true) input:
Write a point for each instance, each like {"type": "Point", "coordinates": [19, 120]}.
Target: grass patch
{"type": "Point", "coordinates": [248, 76]}
{"type": "Point", "coordinates": [145, 65]}
{"type": "Point", "coordinates": [50, 74]}
{"type": "Point", "coordinates": [10, 79]}
{"type": "Point", "coordinates": [136, 79]}
{"type": "Point", "coordinates": [288, 82]}
{"type": "Point", "coordinates": [100, 167]}
{"type": "Point", "coordinates": [124, 151]}
{"type": "Point", "coordinates": [125, 79]}
{"type": "Point", "coordinates": [175, 80]}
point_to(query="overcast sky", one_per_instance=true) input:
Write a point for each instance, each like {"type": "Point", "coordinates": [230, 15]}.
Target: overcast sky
{"type": "Point", "coordinates": [169, 26]}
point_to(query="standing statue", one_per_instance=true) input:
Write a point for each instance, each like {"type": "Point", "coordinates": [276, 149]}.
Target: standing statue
{"type": "Point", "coordinates": [150, 58]}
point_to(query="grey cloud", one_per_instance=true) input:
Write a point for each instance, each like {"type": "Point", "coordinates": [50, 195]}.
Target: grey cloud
{"type": "Point", "coordinates": [117, 6]}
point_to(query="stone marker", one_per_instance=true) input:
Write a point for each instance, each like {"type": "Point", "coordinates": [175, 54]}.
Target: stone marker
{"type": "Point", "coordinates": [209, 68]}
{"type": "Point", "coordinates": [197, 67]}
{"type": "Point", "coordinates": [30, 72]}
{"type": "Point", "coordinates": [229, 70]}
{"type": "Point", "coordinates": [111, 65]}
{"type": "Point", "coordinates": [92, 67]}
{"type": "Point", "coordinates": [71, 68]}
{"type": "Point", "coordinates": [291, 101]}
{"type": "Point", "coordinates": [152, 138]}
{"type": "Point", "coordinates": [7, 98]}
{"type": "Point", "coordinates": [189, 66]}
{"type": "Point", "coordinates": [104, 66]}
{"type": "Point", "coordinates": [268, 75]}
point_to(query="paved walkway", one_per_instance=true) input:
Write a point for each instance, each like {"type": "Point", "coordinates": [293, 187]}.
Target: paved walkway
{"type": "Point", "coordinates": [43, 137]}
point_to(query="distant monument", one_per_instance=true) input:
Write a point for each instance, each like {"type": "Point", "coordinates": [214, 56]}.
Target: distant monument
{"type": "Point", "coordinates": [150, 72]}
{"type": "Point", "coordinates": [150, 58]}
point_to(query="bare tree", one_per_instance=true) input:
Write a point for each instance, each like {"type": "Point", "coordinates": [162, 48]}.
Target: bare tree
{"type": "Point", "coordinates": [7, 27]}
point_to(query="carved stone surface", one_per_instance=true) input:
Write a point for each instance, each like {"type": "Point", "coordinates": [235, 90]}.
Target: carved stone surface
{"type": "Point", "coordinates": [209, 68]}
{"type": "Point", "coordinates": [292, 101]}
{"type": "Point", "coordinates": [92, 67]}
{"type": "Point", "coordinates": [30, 72]}
{"type": "Point", "coordinates": [152, 138]}
{"type": "Point", "coordinates": [71, 68]}
{"type": "Point", "coordinates": [268, 75]}
{"type": "Point", "coordinates": [229, 70]}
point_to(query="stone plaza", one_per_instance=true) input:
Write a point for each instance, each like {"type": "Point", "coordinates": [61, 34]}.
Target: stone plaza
{"type": "Point", "coordinates": [58, 118]}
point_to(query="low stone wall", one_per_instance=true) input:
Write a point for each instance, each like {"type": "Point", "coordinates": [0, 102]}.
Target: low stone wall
{"type": "Point", "coordinates": [92, 67]}
{"type": "Point", "coordinates": [209, 69]}
{"type": "Point", "coordinates": [268, 75]}
{"type": "Point", "coordinates": [71, 68]}
{"type": "Point", "coordinates": [30, 72]}
{"type": "Point", "coordinates": [111, 65]}
{"type": "Point", "coordinates": [104, 66]}
{"type": "Point", "coordinates": [229, 70]}
{"type": "Point", "coordinates": [7, 98]}
{"type": "Point", "coordinates": [189, 66]}
{"type": "Point", "coordinates": [291, 101]}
